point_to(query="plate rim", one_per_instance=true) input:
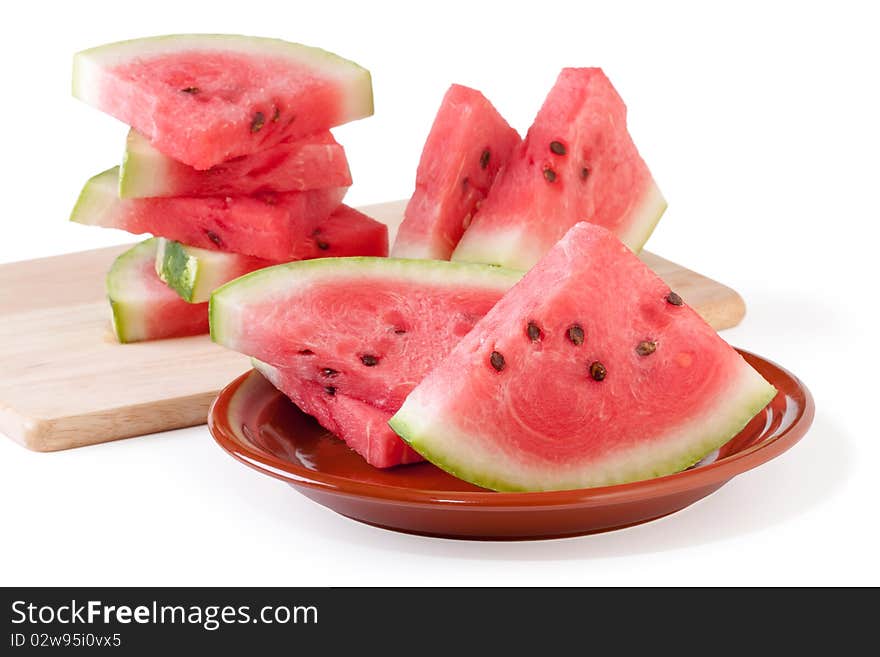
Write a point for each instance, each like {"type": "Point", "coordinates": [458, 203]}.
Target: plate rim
{"type": "Point", "coordinates": [715, 473]}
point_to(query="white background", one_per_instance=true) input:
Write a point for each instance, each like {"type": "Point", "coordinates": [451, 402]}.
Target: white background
{"type": "Point", "coordinates": [760, 123]}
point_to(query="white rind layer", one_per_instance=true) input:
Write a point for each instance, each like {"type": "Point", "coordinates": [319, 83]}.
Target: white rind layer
{"type": "Point", "coordinates": [509, 247]}
{"type": "Point", "coordinates": [127, 295]}
{"type": "Point", "coordinates": [644, 218]}
{"type": "Point", "coordinates": [144, 164]}
{"type": "Point", "coordinates": [514, 247]}
{"type": "Point", "coordinates": [419, 250]}
{"type": "Point", "coordinates": [425, 422]}
{"type": "Point", "coordinates": [97, 198]}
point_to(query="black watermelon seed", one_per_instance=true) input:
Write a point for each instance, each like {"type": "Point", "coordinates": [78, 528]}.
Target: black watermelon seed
{"type": "Point", "coordinates": [533, 331]}
{"type": "Point", "coordinates": [550, 175]}
{"type": "Point", "coordinates": [321, 244]}
{"type": "Point", "coordinates": [597, 371]}
{"type": "Point", "coordinates": [330, 390]}
{"type": "Point", "coordinates": [276, 114]}
{"type": "Point", "coordinates": [190, 90]}
{"type": "Point", "coordinates": [558, 147]}
{"type": "Point", "coordinates": [646, 348]}
{"type": "Point", "coordinates": [497, 361]}
{"type": "Point", "coordinates": [369, 361]}
{"type": "Point", "coordinates": [584, 173]}
{"type": "Point", "coordinates": [674, 299]}
{"type": "Point", "coordinates": [329, 372]}
{"type": "Point", "coordinates": [399, 331]}
{"type": "Point", "coordinates": [306, 352]}
{"type": "Point", "coordinates": [258, 121]}
{"type": "Point", "coordinates": [484, 159]}
{"type": "Point", "coordinates": [576, 334]}
{"type": "Point", "coordinates": [214, 237]}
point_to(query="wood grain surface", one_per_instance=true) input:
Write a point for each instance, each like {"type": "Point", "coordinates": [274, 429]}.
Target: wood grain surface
{"type": "Point", "coordinates": [65, 381]}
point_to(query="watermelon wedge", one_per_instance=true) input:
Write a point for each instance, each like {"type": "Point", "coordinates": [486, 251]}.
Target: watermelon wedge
{"type": "Point", "coordinates": [313, 162]}
{"type": "Point", "coordinates": [577, 163]}
{"type": "Point", "coordinates": [367, 328]}
{"type": "Point", "coordinates": [349, 232]}
{"type": "Point", "coordinates": [363, 427]}
{"type": "Point", "coordinates": [468, 144]}
{"type": "Point", "coordinates": [203, 99]}
{"type": "Point", "coordinates": [272, 226]}
{"type": "Point", "coordinates": [195, 273]}
{"type": "Point", "coordinates": [589, 372]}
{"type": "Point", "coordinates": [143, 307]}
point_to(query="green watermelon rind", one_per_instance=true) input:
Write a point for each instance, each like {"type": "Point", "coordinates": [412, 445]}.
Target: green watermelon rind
{"type": "Point", "coordinates": [413, 423]}
{"type": "Point", "coordinates": [270, 282]}
{"type": "Point", "coordinates": [140, 168]}
{"type": "Point", "coordinates": [97, 196]}
{"type": "Point", "coordinates": [270, 373]}
{"type": "Point", "coordinates": [181, 271]}
{"type": "Point", "coordinates": [126, 319]}
{"type": "Point", "coordinates": [653, 207]}
{"type": "Point", "coordinates": [192, 272]}
{"type": "Point", "coordinates": [87, 64]}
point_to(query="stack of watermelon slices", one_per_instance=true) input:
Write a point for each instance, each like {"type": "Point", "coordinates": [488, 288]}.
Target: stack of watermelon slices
{"type": "Point", "coordinates": [229, 163]}
{"type": "Point", "coordinates": [570, 365]}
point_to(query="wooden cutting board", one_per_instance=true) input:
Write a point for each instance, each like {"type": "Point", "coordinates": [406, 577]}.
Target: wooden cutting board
{"type": "Point", "coordinates": [65, 381]}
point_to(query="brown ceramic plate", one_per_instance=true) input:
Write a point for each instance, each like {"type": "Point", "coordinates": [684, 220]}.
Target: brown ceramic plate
{"type": "Point", "coordinates": [259, 426]}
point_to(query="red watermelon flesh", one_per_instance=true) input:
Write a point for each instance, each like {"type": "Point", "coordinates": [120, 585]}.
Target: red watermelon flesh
{"type": "Point", "coordinates": [143, 307]}
{"type": "Point", "coordinates": [273, 226]}
{"type": "Point", "coordinates": [348, 232]}
{"type": "Point", "coordinates": [369, 328]}
{"type": "Point", "coordinates": [204, 99]}
{"type": "Point", "coordinates": [589, 372]}
{"type": "Point", "coordinates": [313, 162]}
{"type": "Point", "coordinates": [468, 144]}
{"type": "Point", "coordinates": [577, 163]}
{"type": "Point", "coordinates": [363, 427]}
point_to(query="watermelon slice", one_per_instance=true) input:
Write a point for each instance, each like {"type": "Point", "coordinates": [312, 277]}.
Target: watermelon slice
{"type": "Point", "coordinates": [143, 307]}
{"type": "Point", "coordinates": [468, 144]}
{"type": "Point", "coordinates": [349, 232]}
{"type": "Point", "coordinates": [203, 99]}
{"type": "Point", "coordinates": [363, 427]}
{"type": "Point", "coordinates": [310, 163]}
{"type": "Point", "coordinates": [272, 226]}
{"type": "Point", "coordinates": [367, 328]}
{"type": "Point", "coordinates": [577, 163]}
{"type": "Point", "coordinates": [194, 273]}
{"type": "Point", "coordinates": [589, 372]}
